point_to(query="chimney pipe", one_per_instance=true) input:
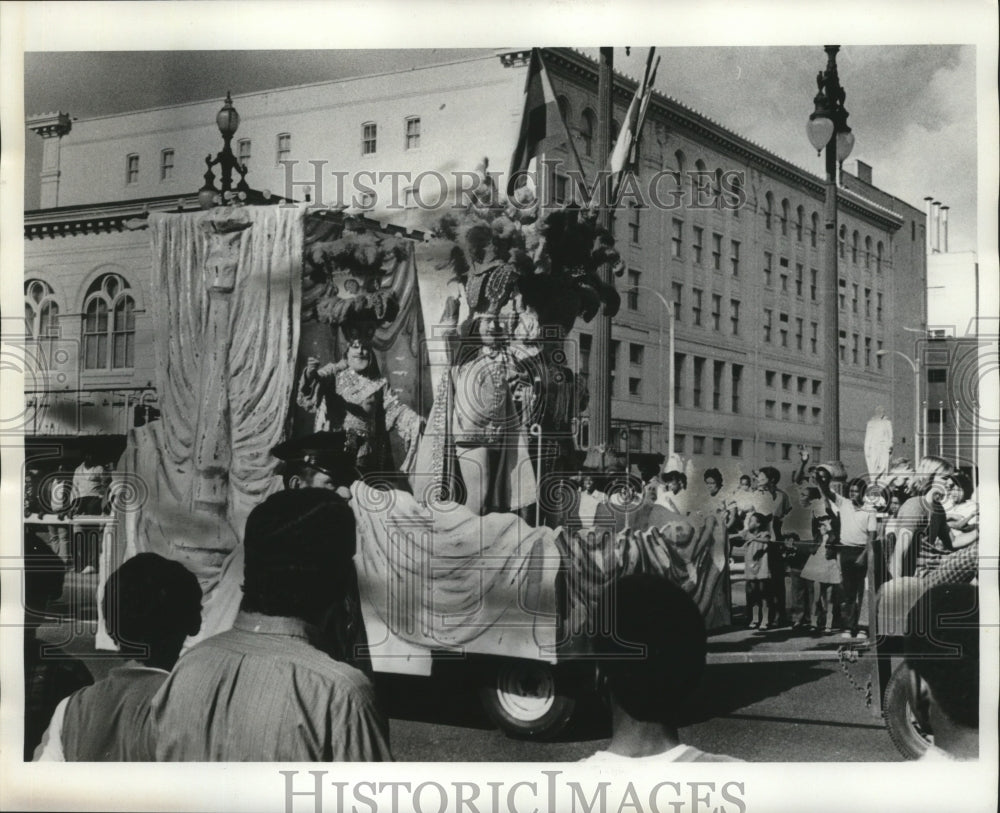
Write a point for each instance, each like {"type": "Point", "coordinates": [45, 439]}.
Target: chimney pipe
{"type": "Point", "coordinates": [929, 225]}
{"type": "Point", "coordinates": [944, 224]}
{"type": "Point", "coordinates": [936, 210]}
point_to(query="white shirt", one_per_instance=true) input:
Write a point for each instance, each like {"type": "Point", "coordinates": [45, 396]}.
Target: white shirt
{"type": "Point", "coordinates": [588, 506]}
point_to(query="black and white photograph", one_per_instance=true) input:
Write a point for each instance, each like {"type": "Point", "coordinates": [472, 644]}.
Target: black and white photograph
{"type": "Point", "coordinates": [518, 417]}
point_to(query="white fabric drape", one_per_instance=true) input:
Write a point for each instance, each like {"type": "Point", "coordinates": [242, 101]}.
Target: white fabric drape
{"type": "Point", "coordinates": [226, 304]}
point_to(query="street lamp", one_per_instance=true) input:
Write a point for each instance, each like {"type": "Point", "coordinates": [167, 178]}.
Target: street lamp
{"type": "Point", "coordinates": [228, 122]}
{"type": "Point", "coordinates": [827, 128]}
{"type": "Point", "coordinates": [668, 307]}
{"type": "Point", "coordinates": [915, 366]}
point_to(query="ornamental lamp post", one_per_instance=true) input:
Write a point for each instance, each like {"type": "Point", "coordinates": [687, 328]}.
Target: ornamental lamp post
{"type": "Point", "coordinates": [228, 122]}
{"type": "Point", "coordinates": [827, 129]}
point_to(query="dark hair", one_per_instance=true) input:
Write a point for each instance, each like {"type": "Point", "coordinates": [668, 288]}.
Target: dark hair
{"type": "Point", "coordinates": [771, 473]}
{"type": "Point", "coordinates": [296, 468]}
{"type": "Point", "coordinates": [44, 574]}
{"type": "Point", "coordinates": [763, 520]}
{"type": "Point", "coordinates": [675, 476]}
{"type": "Point", "coordinates": [942, 647]}
{"type": "Point", "coordinates": [651, 646]}
{"type": "Point", "coordinates": [961, 479]}
{"type": "Point", "coordinates": [745, 478]}
{"type": "Point", "coordinates": [713, 474]}
{"type": "Point", "coordinates": [151, 600]}
{"type": "Point", "coordinates": [297, 553]}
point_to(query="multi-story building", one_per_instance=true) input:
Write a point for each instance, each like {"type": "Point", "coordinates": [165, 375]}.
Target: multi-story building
{"type": "Point", "coordinates": [744, 282]}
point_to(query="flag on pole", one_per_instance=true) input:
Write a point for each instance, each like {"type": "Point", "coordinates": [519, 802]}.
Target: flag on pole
{"type": "Point", "coordinates": [624, 155]}
{"type": "Point", "coordinates": [542, 124]}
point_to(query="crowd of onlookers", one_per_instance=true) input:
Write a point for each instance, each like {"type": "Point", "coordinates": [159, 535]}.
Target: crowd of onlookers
{"type": "Point", "coordinates": [285, 682]}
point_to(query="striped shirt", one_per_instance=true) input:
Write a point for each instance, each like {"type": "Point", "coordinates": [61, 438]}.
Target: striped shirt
{"type": "Point", "coordinates": [262, 692]}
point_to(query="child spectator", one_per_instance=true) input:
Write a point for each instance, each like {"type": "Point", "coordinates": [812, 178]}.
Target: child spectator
{"type": "Point", "coordinates": [824, 569]}
{"type": "Point", "coordinates": [756, 538]}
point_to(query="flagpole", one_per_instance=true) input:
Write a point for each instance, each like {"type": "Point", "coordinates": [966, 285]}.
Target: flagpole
{"type": "Point", "coordinates": [600, 378]}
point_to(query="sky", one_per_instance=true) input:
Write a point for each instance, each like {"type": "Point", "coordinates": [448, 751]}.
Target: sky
{"type": "Point", "coordinates": [912, 107]}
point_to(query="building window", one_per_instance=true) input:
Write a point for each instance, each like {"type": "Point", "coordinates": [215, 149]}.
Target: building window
{"type": "Point", "coordinates": [633, 223]}
{"type": "Point", "coordinates": [814, 338]}
{"type": "Point", "coordinates": [633, 290]}
{"type": "Point", "coordinates": [587, 131]}
{"type": "Point", "coordinates": [369, 138]}
{"type": "Point", "coordinates": [798, 333]}
{"type": "Point", "coordinates": [878, 307]}
{"type": "Point", "coordinates": [854, 297]}
{"type": "Point", "coordinates": [770, 450]}
{"type": "Point", "coordinates": [769, 406]}
{"type": "Point", "coordinates": [132, 169]}
{"type": "Point", "coordinates": [937, 375]}
{"type": "Point", "coordinates": [868, 303]}
{"type": "Point", "coordinates": [768, 209]}
{"type": "Point", "coordinates": [698, 444]}
{"type": "Point", "coordinates": [783, 328]}
{"type": "Point", "coordinates": [854, 247]}
{"type": "Point", "coordinates": [786, 381]}
{"type": "Point", "coordinates": [679, 444]}
{"type": "Point", "coordinates": [284, 147]}
{"type": "Point", "coordinates": [769, 376]}
{"type": "Point", "coordinates": [815, 229]}
{"type": "Point", "coordinates": [784, 283]}
{"type": "Point", "coordinates": [716, 311]}
{"type": "Point", "coordinates": [842, 242]}
{"type": "Point", "coordinates": [717, 252]}
{"type": "Point", "coordinates": [813, 283]}
{"type": "Point", "coordinates": [734, 257]}
{"type": "Point", "coordinates": [786, 411]}
{"type": "Point", "coordinates": [937, 416]}
{"type": "Point", "coordinates": [816, 386]}
{"type": "Point", "coordinates": [41, 316]}
{"type": "Point", "coordinates": [676, 238]}
{"type": "Point", "coordinates": [868, 352]}
{"type": "Point", "coordinates": [697, 245]}
{"type": "Point", "coordinates": [718, 369]}
{"type": "Point", "coordinates": [677, 291]}
{"type": "Point", "coordinates": [678, 377]}
{"type": "Point", "coordinates": [878, 258]}
{"type": "Point", "coordinates": [768, 263]}
{"type": "Point", "coordinates": [718, 444]}
{"type": "Point", "coordinates": [699, 372]}
{"type": "Point", "coordinates": [843, 294]}
{"type": "Point", "coordinates": [768, 324]}
{"type": "Point", "coordinates": [243, 152]}
{"type": "Point", "coordinates": [737, 383]}
{"type": "Point", "coordinates": [734, 316]}
{"type": "Point", "coordinates": [786, 451]}
{"type": "Point", "coordinates": [784, 217]}
{"type": "Point", "coordinates": [166, 165]}
{"type": "Point", "coordinates": [736, 447]}
{"type": "Point", "coordinates": [413, 133]}
{"type": "Point", "coordinates": [854, 348]}
{"type": "Point", "coordinates": [798, 279]}
{"type": "Point", "coordinates": [868, 253]}
{"type": "Point", "coordinates": [635, 354]}
{"type": "Point", "coordinates": [634, 386]}
{"type": "Point", "coordinates": [800, 215]}
{"type": "Point", "coordinates": [109, 325]}
{"type": "Point", "coordinates": [585, 345]}
{"type": "Point", "coordinates": [737, 197]}
{"type": "Point", "coordinates": [696, 307]}
{"type": "Point", "coordinates": [878, 355]}
{"type": "Point", "coordinates": [800, 413]}
{"type": "Point", "coordinates": [816, 414]}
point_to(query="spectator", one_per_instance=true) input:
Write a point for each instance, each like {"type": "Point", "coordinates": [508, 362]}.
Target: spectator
{"type": "Point", "coordinates": [318, 460]}
{"type": "Point", "coordinates": [771, 502]}
{"type": "Point", "coordinates": [917, 551]}
{"type": "Point", "coordinates": [90, 489]}
{"type": "Point", "coordinates": [858, 526]}
{"type": "Point", "coordinates": [942, 654]}
{"type": "Point", "coordinates": [823, 569]}
{"type": "Point", "coordinates": [50, 674]}
{"type": "Point", "coordinates": [961, 511]}
{"type": "Point", "coordinates": [668, 492]}
{"type": "Point", "coordinates": [151, 604]}
{"type": "Point", "coordinates": [267, 690]}
{"type": "Point", "coordinates": [796, 528]}
{"type": "Point", "coordinates": [756, 537]}
{"type": "Point", "coordinates": [742, 502]}
{"type": "Point", "coordinates": [649, 664]}
{"type": "Point", "coordinates": [590, 499]}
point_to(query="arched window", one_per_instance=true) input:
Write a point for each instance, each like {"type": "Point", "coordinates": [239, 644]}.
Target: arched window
{"type": "Point", "coordinates": [800, 216]}
{"type": "Point", "coordinates": [843, 241]}
{"type": "Point", "coordinates": [587, 131]}
{"type": "Point", "coordinates": [616, 128]}
{"type": "Point", "coordinates": [109, 325]}
{"type": "Point", "coordinates": [854, 247]}
{"type": "Point", "coordinates": [768, 209]}
{"type": "Point", "coordinates": [737, 195]}
{"type": "Point", "coordinates": [868, 253]}
{"type": "Point", "coordinates": [700, 184]}
{"type": "Point", "coordinates": [784, 217]}
{"type": "Point", "coordinates": [679, 158]}
{"type": "Point", "coordinates": [878, 258]}
{"type": "Point", "coordinates": [41, 314]}
{"type": "Point", "coordinates": [814, 234]}
{"type": "Point", "coordinates": [563, 103]}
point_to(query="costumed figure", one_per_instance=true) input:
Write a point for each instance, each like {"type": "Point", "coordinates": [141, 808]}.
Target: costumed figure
{"type": "Point", "coordinates": [878, 444]}
{"type": "Point", "coordinates": [351, 395]}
